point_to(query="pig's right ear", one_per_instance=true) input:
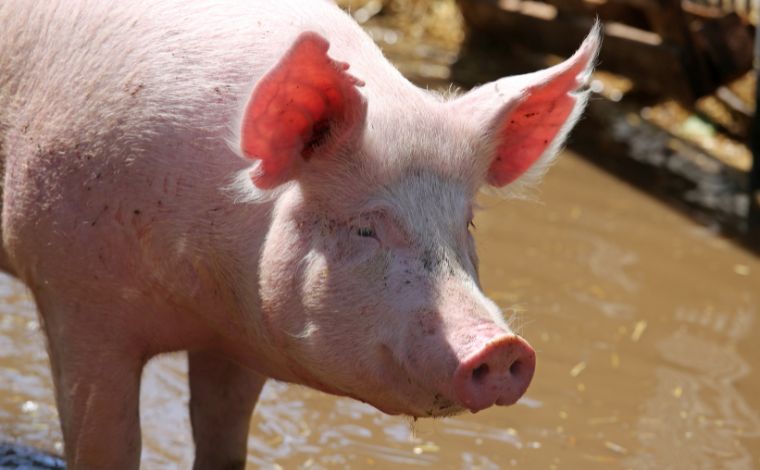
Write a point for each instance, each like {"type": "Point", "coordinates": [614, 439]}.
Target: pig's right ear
{"type": "Point", "coordinates": [524, 119]}
{"type": "Point", "coordinates": [306, 105]}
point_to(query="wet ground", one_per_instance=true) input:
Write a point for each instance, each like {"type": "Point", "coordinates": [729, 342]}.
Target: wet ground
{"type": "Point", "coordinates": [645, 324]}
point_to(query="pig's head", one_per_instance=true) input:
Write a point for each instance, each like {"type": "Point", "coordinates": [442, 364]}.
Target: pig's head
{"type": "Point", "coordinates": [368, 275]}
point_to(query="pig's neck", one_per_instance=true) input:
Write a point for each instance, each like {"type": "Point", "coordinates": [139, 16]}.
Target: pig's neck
{"type": "Point", "coordinates": [252, 341]}
{"type": "Point", "coordinates": [234, 232]}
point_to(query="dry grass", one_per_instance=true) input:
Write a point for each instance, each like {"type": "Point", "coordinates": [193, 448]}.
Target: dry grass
{"type": "Point", "coordinates": [435, 20]}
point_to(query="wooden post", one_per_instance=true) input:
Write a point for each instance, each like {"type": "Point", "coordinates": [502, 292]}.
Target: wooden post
{"type": "Point", "coordinates": [754, 177]}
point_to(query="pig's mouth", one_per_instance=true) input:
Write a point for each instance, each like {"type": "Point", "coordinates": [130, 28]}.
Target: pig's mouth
{"type": "Point", "coordinates": [399, 393]}
{"type": "Point", "coordinates": [410, 397]}
{"type": "Point", "coordinates": [449, 410]}
{"type": "Point", "coordinates": [440, 408]}
{"type": "Point", "coordinates": [396, 395]}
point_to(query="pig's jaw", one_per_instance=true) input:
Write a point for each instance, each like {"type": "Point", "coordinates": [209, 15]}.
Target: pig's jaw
{"type": "Point", "coordinates": [401, 395]}
{"type": "Point", "coordinates": [397, 410]}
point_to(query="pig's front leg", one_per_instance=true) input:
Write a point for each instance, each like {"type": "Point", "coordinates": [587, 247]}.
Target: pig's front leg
{"type": "Point", "coordinates": [222, 397]}
{"type": "Point", "coordinates": [97, 383]}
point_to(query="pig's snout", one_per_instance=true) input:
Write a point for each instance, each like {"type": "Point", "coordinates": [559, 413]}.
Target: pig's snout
{"type": "Point", "coordinates": [498, 373]}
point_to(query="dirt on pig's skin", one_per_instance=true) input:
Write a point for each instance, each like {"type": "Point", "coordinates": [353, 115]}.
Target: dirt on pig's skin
{"type": "Point", "coordinates": [644, 323]}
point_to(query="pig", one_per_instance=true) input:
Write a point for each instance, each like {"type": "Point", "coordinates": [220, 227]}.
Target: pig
{"type": "Point", "coordinates": [254, 183]}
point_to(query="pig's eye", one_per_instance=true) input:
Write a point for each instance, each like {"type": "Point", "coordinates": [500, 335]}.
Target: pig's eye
{"type": "Point", "coordinates": [367, 232]}
{"type": "Point", "coordinates": [471, 225]}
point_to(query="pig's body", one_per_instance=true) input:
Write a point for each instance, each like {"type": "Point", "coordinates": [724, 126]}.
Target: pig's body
{"type": "Point", "coordinates": [118, 166]}
{"type": "Point", "coordinates": [124, 212]}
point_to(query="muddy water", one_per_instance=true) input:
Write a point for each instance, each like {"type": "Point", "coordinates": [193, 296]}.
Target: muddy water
{"type": "Point", "coordinates": [645, 324]}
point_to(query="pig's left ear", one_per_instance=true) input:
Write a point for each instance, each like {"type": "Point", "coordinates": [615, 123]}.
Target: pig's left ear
{"type": "Point", "coordinates": [527, 117]}
{"type": "Point", "coordinates": [307, 104]}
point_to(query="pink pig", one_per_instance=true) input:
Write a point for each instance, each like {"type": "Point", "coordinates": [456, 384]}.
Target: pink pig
{"type": "Point", "coordinates": [210, 176]}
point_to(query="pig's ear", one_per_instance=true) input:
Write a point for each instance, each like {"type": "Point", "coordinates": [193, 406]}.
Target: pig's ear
{"type": "Point", "coordinates": [527, 117]}
{"type": "Point", "coordinates": [307, 104]}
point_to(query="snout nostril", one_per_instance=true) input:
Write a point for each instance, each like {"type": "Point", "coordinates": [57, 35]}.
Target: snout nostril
{"type": "Point", "coordinates": [480, 372]}
{"type": "Point", "coordinates": [516, 368]}
{"type": "Point", "coordinates": [497, 372]}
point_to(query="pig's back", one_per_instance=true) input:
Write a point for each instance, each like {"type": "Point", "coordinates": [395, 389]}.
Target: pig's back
{"type": "Point", "coordinates": [78, 57]}
{"type": "Point", "coordinates": [141, 94]}
{"type": "Point", "coordinates": [72, 66]}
